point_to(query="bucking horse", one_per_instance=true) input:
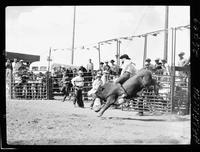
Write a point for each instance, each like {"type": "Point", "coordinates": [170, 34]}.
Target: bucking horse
{"type": "Point", "coordinates": [131, 88]}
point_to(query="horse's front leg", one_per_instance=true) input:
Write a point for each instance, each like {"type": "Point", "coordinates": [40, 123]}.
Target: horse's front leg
{"type": "Point", "coordinates": [111, 99]}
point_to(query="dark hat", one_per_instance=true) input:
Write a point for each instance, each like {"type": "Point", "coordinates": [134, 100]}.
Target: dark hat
{"type": "Point", "coordinates": [101, 63]}
{"type": "Point", "coordinates": [112, 61]}
{"type": "Point", "coordinates": [148, 59]}
{"type": "Point", "coordinates": [124, 56]}
{"type": "Point", "coordinates": [163, 60]}
{"type": "Point", "coordinates": [181, 53]}
{"type": "Point", "coordinates": [157, 59]}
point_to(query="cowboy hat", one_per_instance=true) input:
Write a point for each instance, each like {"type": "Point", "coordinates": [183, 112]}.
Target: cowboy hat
{"type": "Point", "coordinates": [148, 59]}
{"type": "Point", "coordinates": [181, 53]}
{"type": "Point", "coordinates": [124, 56]}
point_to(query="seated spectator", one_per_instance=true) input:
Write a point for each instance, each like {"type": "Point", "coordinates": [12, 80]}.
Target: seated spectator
{"type": "Point", "coordinates": [158, 67]}
{"type": "Point", "coordinates": [165, 67]}
{"type": "Point", "coordinates": [106, 67]}
{"type": "Point", "coordinates": [148, 64]}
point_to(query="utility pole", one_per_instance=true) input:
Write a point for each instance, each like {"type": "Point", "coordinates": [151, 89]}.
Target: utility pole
{"type": "Point", "coordinates": [166, 32]}
{"type": "Point", "coordinates": [73, 36]}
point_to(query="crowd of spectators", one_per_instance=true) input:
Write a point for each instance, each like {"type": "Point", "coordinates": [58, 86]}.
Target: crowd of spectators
{"type": "Point", "coordinates": [18, 70]}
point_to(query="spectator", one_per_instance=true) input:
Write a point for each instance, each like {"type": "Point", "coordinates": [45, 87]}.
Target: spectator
{"type": "Point", "coordinates": [66, 85]}
{"type": "Point", "coordinates": [8, 68]}
{"type": "Point", "coordinates": [95, 85]}
{"type": "Point", "coordinates": [90, 66]}
{"type": "Point", "coordinates": [14, 66]}
{"type": "Point", "coordinates": [78, 83]}
{"type": "Point", "coordinates": [148, 64]}
{"type": "Point", "coordinates": [128, 69]}
{"type": "Point", "coordinates": [83, 69]}
{"type": "Point", "coordinates": [114, 69]}
{"type": "Point", "coordinates": [158, 67]}
{"type": "Point", "coordinates": [165, 67]}
{"type": "Point", "coordinates": [182, 61]}
{"type": "Point", "coordinates": [101, 66]}
{"type": "Point", "coordinates": [21, 66]}
{"type": "Point", "coordinates": [106, 67]}
{"type": "Point", "coordinates": [105, 77]}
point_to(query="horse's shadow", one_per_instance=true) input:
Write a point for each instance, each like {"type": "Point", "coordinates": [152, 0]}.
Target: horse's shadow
{"type": "Point", "coordinates": [128, 118]}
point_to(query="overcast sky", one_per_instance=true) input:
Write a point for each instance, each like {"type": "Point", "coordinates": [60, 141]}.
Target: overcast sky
{"type": "Point", "coordinates": [34, 29]}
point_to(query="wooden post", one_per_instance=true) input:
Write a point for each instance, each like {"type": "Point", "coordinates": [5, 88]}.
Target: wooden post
{"type": "Point", "coordinates": [145, 49]}
{"type": "Point", "coordinates": [99, 47]}
{"type": "Point", "coordinates": [171, 73]}
{"type": "Point", "coordinates": [166, 33]}
{"type": "Point", "coordinates": [73, 36]}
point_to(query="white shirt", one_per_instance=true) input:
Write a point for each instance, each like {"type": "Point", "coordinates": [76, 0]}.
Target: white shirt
{"type": "Point", "coordinates": [78, 81]}
{"type": "Point", "coordinates": [128, 66]}
{"type": "Point", "coordinates": [182, 62]}
{"type": "Point", "coordinates": [90, 66]}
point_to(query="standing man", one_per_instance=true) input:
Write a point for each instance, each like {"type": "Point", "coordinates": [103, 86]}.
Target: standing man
{"type": "Point", "coordinates": [181, 63]}
{"type": "Point", "coordinates": [78, 83]}
{"type": "Point", "coordinates": [14, 66]}
{"type": "Point", "coordinates": [66, 85]}
{"type": "Point", "coordinates": [90, 66]}
{"type": "Point", "coordinates": [101, 67]}
{"type": "Point", "coordinates": [128, 69]}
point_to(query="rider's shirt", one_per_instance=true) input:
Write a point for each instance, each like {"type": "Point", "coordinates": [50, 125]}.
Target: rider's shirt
{"type": "Point", "coordinates": [129, 67]}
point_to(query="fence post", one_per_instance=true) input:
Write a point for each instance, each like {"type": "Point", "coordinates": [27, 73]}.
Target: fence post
{"type": "Point", "coordinates": [49, 87]}
{"type": "Point", "coordinates": [189, 94]}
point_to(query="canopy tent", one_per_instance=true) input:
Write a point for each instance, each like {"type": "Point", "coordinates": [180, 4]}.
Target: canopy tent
{"type": "Point", "coordinates": [19, 56]}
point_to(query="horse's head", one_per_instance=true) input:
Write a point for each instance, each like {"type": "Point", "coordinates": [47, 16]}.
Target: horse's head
{"type": "Point", "coordinates": [103, 91]}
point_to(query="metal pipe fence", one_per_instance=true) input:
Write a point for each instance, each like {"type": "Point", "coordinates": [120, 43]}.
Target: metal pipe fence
{"type": "Point", "coordinates": [173, 96]}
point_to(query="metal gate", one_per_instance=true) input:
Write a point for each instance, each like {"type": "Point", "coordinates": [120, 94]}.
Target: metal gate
{"type": "Point", "coordinates": [173, 96]}
{"type": "Point", "coordinates": [28, 88]}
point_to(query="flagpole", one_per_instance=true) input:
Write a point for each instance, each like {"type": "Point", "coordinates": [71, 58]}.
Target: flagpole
{"type": "Point", "coordinates": [73, 37]}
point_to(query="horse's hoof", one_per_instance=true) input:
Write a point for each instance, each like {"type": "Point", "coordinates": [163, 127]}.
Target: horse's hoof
{"type": "Point", "coordinates": [99, 115]}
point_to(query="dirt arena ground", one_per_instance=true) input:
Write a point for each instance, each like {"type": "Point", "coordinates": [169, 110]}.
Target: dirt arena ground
{"type": "Point", "coordinates": [52, 122]}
